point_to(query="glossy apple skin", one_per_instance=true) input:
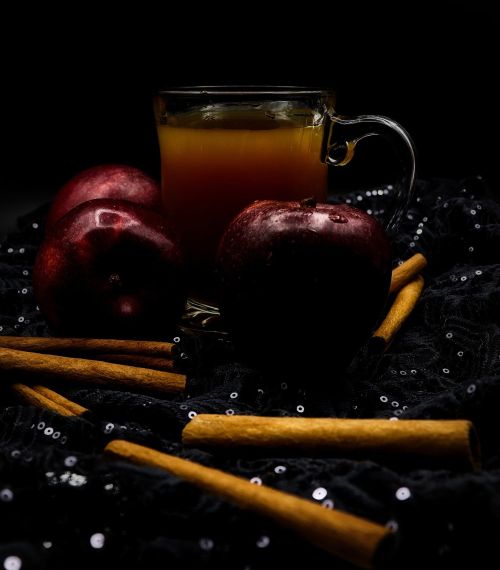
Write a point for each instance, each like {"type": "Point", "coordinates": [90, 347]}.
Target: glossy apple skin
{"type": "Point", "coordinates": [110, 181]}
{"type": "Point", "coordinates": [110, 268]}
{"type": "Point", "coordinates": [302, 286]}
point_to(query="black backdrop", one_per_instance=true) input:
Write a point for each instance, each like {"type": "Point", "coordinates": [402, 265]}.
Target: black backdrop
{"type": "Point", "coordinates": [76, 87]}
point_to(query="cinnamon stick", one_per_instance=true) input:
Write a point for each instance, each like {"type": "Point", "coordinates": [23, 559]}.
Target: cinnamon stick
{"type": "Point", "coordinates": [349, 537]}
{"type": "Point", "coordinates": [81, 346]}
{"type": "Point", "coordinates": [407, 271]}
{"type": "Point", "coordinates": [31, 396]}
{"type": "Point", "coordinates": [448, 441]}
{"type": "Point", "coordinates": [59, 399]}
{"type": "Point", "coordinates": [403, 305]}
{"type": "Point", "coordinates": [140, 360]}
{"type": "Point", "coordinates": [33, 366]}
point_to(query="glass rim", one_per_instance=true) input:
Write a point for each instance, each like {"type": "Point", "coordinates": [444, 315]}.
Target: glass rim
{"type": "Point", "coordinates": [246, 90]}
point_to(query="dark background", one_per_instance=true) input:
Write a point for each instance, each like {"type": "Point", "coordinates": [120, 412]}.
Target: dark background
{"type": "Point", "coordinates": [76, 87]}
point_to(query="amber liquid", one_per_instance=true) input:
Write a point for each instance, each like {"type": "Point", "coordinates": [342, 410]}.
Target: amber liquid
{"type": "Point", "coordinates": [212, 169]}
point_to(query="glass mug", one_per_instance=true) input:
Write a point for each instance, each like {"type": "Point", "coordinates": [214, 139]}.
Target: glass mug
{"type": "Point", "coordinates": [223, 147]}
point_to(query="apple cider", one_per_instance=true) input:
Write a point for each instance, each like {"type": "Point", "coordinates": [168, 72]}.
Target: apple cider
{"type": "Point", "coordinates": [215, 164]}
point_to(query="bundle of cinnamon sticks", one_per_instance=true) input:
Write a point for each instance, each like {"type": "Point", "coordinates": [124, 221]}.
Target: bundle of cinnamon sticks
{"type": "Point", "coordinates": [128, 364]}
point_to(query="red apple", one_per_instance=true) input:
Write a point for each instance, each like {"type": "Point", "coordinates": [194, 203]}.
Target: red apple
{"type": "Point", "coordinates": [302, 285]}
{"type": "Point", "coordinates": [110, 267]}
{"type": "Point", "coordinates": [114, 181]}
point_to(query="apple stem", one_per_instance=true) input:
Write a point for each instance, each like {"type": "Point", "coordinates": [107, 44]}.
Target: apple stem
{"type": "Point", "coordinates": [308, 202]}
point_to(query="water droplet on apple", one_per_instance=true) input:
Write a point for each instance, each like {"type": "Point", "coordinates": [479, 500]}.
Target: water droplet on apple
{"type": "Point", "coordinates": [338, 218]}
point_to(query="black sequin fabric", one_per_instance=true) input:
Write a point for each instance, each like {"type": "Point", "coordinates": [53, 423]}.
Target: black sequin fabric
{"type": "Point", "coordinates": [63, 504]}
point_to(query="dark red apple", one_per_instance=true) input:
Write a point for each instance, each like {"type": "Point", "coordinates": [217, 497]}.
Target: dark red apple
{"type": "Point", "coordinates": [113, 181]}
{"type": "Point", "coordinates": [302, 285]}
{"type": "Point", "coordinates": [110, 268]}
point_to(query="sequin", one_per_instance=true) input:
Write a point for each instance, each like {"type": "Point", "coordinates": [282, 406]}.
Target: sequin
{"type": "Point", "coordinates": [412, 244]}
{"type": "Point", "coordinates": [6, 495]}
{"type": "Point", "coordinates": [70, 461]}
{"type": "Point", "coordinates": [403, 494]}
{"type": "Point", "coordinates": [446, 370]}
{"type": "Point", "coordinates": [34, 225]}
{"type": "Point", "coordinates": [24, 291]}
{"type": "Point", "coordinates": [418, 232]}
{"type": "Point", "coordinates": [284, 385]}
{"type": "Point", "coordinates": [405, 408]}
{"type": "Point", "coordinates": [415, 238]}
{"type": "Point", "coordinates": [320, 493]}
{"type": "Point", "coordinates": [369, 212]}
{"type": "Point", "coordinates": [260, 391]}
{"type": "Point", "coordinates": [402, 372]}
{"type": "Point", "coordinates": [177, 339]}
{"type": "Point", "coordinates": [398, 412]}
{"type": "Point", "coordinates": [48, 431]}
{"type": "Point", "coordinates": [477, 226]}
{"type": "Point", "coordinates": [12, 563]}
{"type": "Point", "coordinates": [56, 435]}
{"type": "Point", "coordinates": [300, 408]}
{"type": "Point", "coordinates": [471, 389]}
{"type": "Point", "coordinates": [460, 353]}
{"type": "Point", "coordinates": [463, 278]}
{"type": "Point", "coordinates": [41, 425]}
{"type": "Point", "coordinates": [368, 193]}
{"type": "Point", "coordinates": [10, 250]}
{"type": "Point", "coordinates": [359, 198]}
{"type": "Point", "coordinates": [425, 219]}
{"type": "Point", "coordinates": [97, 540]}
{"type": "Point", "coordinates": [256, 480]}
{"type": "Point", "coordinates": [471, 249]}
{"type": "Point", "coordinates": [206, 543]}
{"type": "Point", "coordinates": [479, 272]}
{"type": "Point", "coordinates": [392, 525]}
{"type": "Point", "coordinates": [229, 412]}
{"type": "Point", "coordinates": [64, 439]}
{"type": "Point", "coordinates": [47, 544]}
{"type": "Point", "coordinates": [473, 212]}
{"type": "Point", "coordinates": [15, 453]}
{"type": "Point", "coordinates": [445, 205]}
{"type": "Point", "coordinates": [192, 414]}
{"type": "Point", "coordinates": [183, 407]}
{"type": "Point", "coordinates": [109, 487]}
{"type": "Point", "coordinates": [394, 371]}
{"type": "Point", "coordinates": [384, 399]}
{"type": "Point", "coordinates": [76, 480]}
{"type": "Point", "coordinates": [328, 504]}
{"type": "Point", "coordinates": [449, 335]}
{"type": "Point", "coordinates": [413, 371]}
{"type": "Point", "coordinates": [20, 319]}
{"type": "Point", "coordinates": [393, 419]}
{"type": "Point", "coordinates": [263, 542]}
{"type": "Point", "coordinates": [453, 277]}
{"type": "Point", "coordinates": [280, 469]}
{"type": "Point", "coordinates": [420, 225]}
{"type": "Point", "coordinates": [395, 404]}
{"type": "Point", "coordinates": [233, 395]}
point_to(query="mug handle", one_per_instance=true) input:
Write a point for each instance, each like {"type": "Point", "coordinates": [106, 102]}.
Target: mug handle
{"type": "Point", "coordinates": [346, 132]}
